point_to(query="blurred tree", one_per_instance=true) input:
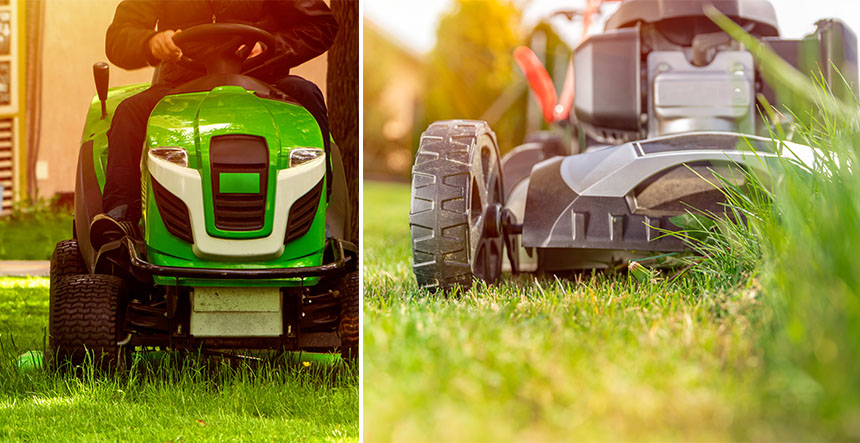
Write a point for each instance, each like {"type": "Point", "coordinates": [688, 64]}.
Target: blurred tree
{"type": "Point", "coordinates": [472, 66]}
{"type": "Point", "coordinates": [393, 92]}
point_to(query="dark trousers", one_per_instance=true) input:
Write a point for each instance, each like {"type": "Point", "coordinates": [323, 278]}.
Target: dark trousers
{"type": "Point", "coordinates": [128, 132]}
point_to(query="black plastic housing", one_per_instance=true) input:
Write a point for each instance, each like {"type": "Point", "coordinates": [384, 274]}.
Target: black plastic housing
{"type": "Point", "coordinates": [607, 68]}
{"type": "Point", "coordinates": [830, 51]}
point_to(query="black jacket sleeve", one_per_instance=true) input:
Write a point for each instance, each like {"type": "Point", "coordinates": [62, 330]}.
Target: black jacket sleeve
{"type": "Point", "coordinates": [303, 29]}
{"type": "Point", "coordinates": [127, 39]}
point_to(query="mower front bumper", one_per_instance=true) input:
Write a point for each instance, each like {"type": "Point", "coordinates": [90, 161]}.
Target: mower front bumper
{"type": "Point", "coordinates": [343, 262]}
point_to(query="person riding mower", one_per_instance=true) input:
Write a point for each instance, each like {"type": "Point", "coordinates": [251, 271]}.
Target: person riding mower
{"type": "Point", "coordinates": [243, 211]}
{"type": "Point", "coordinates": [302, 31]}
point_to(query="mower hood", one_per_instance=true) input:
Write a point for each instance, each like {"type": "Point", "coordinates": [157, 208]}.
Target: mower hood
{"type": "Point", "coordinates": [236, 185]}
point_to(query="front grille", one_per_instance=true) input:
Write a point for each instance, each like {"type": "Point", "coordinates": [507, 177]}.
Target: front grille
{"type": "Point", "coordinates": [174, 213]}
{"type": "Point", "coordinates": [245, 154]}
{"type": "Point", "coordinates": [302, 213]}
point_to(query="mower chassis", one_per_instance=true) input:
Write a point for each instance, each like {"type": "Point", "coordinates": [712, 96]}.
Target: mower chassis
{"type": "Point", "coordinates": [170, 325]}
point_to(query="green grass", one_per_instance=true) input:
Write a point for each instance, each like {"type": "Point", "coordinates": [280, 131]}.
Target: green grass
{"type": "Point", "coordinates": [31, 234]}
{"type": "Point", "coordinates": [598, 357]}
{"type": "Point", "coordinates": [161, 400]}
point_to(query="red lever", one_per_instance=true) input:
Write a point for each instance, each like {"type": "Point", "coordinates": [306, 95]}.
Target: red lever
{"type": "Point", "coordinates": [539, 81]}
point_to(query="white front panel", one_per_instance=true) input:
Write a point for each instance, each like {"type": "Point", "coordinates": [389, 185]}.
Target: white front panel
{"type": "Point", "coordinates": [187, 185]}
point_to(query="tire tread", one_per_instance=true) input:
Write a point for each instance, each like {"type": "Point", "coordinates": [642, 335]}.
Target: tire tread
{"type": "Point", "coordinates": [349, 316]}
{"type": "Point", "coordinates": [439, 216]}
{"type": "Point", "coordinates": [66, 260]}
{"type": "Point", "coordinates": [83, 318]}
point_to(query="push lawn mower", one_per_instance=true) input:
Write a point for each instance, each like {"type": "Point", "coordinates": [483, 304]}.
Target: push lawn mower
{"type": "Point", "coordinates": [663, 111]}
{"type": "Point", "coordinates": [243, 245]}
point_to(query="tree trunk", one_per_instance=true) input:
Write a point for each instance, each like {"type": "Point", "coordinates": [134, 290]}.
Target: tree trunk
{"type": "Point", "coordinates": [342, 90]}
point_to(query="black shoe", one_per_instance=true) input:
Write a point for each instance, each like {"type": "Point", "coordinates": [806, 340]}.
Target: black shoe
{"type": "Point", "coordinates": [112, 226]}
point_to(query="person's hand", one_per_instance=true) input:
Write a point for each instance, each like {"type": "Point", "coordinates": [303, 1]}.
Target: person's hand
{"type": "Point", "coordinates": [257, 50]}
{"type": "Point", "coordinates": [162, 47]}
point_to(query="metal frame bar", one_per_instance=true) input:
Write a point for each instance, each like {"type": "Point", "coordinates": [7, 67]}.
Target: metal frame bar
{"type": "Point", "coordinates": [343, 263]}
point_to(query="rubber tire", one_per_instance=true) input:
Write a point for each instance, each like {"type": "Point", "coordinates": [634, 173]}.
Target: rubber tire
{"type": "Point", "coordinates": [84, 317]}
{"type": "Point", "coordinates": [66, 260]}
{"type": "Point", "coordinates": [349, 324]}
{"type": "Point", "coordinates": [450, 159]}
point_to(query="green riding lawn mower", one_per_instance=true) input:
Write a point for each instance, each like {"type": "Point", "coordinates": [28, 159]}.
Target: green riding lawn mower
{"type": "Point", "coordinates": [655, 113]}
{"type": "Point", "coordinates": [244, 216]}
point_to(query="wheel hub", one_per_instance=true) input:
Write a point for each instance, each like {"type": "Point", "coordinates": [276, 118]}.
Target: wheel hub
{"type": "Point", "coordinates": [493, 220]}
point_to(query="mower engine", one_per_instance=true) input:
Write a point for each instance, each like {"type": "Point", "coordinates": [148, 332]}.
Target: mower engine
{"type": "Point", "coordinates": [664, 68]}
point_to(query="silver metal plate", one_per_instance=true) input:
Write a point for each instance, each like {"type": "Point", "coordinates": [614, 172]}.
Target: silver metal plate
{"type": "Point", "coordinates": [716, 97]}
{"type": "Point", "coordinates": [236, 312]}
{"type": "Point", "coordinates": [237, 299]}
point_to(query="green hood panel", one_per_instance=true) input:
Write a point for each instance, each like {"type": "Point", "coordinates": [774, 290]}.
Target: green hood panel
{"type": "Point", "coordinates": [190, 121]}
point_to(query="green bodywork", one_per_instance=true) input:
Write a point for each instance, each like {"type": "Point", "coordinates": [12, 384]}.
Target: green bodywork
{"type": "Point", "coordinates": [239, 183]}
{"type": "Point", "coordinates": [190, 121]}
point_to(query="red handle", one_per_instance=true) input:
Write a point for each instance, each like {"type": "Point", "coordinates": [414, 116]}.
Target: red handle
{"type": "Point", "coordinates": [539, 81]}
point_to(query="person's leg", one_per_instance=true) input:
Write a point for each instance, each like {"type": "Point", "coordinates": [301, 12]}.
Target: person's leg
{"type": "Point", "coordinates": [309, 96]}
{"type": "Point", "coordinates": [121, 199]}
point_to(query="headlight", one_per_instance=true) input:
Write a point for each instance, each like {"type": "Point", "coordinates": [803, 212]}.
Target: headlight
{"type": "Point", "coordinates": [300, 156]}
{"type": "Point", "coordinates": [177, 156]}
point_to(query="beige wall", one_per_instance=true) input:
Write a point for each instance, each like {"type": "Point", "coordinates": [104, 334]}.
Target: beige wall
{"type": "Point", "coordinates": [75, 39]}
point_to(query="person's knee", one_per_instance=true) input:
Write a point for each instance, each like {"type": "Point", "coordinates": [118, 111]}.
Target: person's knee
{"type": "Point", "coordinates": [130, 111]}
{"type": "Point", "coordinates": [138, 107]}
{"type": "Point", "coordinates": [300, 82]}
{"type": "Point", "coordinates": [123, 110]}
{"type": "Point", "coordinates": [296, 85]}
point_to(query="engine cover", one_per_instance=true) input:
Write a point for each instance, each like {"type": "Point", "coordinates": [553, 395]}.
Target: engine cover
{"type": "Point", "coordinates": [716, 97]}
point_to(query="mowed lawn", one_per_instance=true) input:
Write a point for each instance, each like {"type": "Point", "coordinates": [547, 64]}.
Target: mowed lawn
{"type": "Point", "coordinates": [160, 401]}
{"type": "Point", "coordinates": [596, 357]}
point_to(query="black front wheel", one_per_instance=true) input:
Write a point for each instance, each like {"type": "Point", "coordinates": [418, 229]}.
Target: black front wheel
{"type": "Point", "coordinates": [456, 187]}
{"type": "Point", "coordinates": [84, 319]}
{"type": "Point", "coordinates": [66, 260]}
{"type": "Point", "coordinates": [348, 327]}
